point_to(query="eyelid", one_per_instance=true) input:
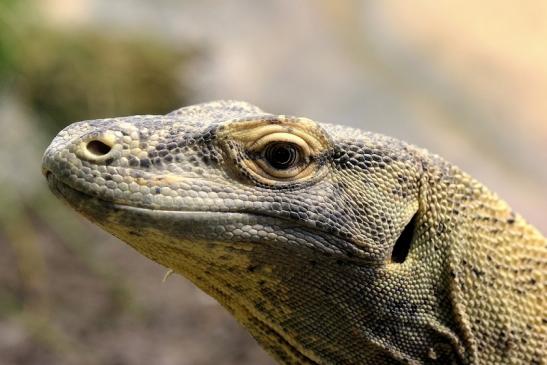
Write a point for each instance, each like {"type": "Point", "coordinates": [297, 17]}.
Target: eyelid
{"type": "Point", "coordinates": [281, 137]}
{"type": "Point", "coordinates": [292, 174]}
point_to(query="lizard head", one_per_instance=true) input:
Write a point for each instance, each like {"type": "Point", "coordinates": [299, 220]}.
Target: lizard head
{"type": "Point", "coordinates": [261, 211]}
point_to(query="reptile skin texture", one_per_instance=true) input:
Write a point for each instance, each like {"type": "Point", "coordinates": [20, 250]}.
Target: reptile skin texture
{"type": "Point", "coordinates": [329, 244]}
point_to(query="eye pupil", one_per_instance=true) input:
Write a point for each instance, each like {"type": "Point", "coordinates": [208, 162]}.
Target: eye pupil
{"type": "Point", "coordinates": [281, 155]}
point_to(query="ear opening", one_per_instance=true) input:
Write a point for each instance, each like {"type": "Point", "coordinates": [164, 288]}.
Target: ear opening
{"type": "Point", "coordinates": [403, 243]}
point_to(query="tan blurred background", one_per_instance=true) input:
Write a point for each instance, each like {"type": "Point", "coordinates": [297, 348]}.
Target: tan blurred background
{"type": "Point", "coordinates": [466, 79]}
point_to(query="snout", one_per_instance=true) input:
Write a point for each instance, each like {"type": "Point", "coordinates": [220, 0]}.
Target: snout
{"type": "Point", "coordinates": [88, 142]}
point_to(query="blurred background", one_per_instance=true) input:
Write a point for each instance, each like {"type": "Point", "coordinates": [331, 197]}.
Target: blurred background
{"type": "Point", "coordinates": [466, 79]}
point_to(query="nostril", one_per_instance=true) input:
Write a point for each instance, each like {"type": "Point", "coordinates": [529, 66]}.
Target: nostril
{"type": "Point", "coordinates": [97, 148]}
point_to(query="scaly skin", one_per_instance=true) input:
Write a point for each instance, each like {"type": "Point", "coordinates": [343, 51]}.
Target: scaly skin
{"type": "Point", "coordinates": [329, 244]}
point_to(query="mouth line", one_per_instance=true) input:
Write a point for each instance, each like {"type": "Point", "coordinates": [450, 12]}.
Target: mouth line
{"type": "Point", "coordinates": [54, 183]}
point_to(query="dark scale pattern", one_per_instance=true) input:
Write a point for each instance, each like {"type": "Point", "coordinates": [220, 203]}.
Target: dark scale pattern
{"type": "Point", "coordinates": [304, 257]}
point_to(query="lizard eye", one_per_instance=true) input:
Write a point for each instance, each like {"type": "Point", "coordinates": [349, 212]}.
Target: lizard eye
{"type": "Point", "coordinates": [282, 155]}
{"type": "Point", "coordinates": [277, 151]}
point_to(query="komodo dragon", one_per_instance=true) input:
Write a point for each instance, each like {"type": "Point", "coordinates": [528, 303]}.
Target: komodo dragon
{"type": "Point", "coordinates": [329, 244]}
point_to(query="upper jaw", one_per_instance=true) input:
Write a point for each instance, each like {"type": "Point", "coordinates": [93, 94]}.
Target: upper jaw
{"type": "Point", "coordinates": [124, 220]}
{"type": "Point", "coordinates": [90, 205]}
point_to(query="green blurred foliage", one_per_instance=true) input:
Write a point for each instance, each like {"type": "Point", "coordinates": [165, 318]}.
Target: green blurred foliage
{"type": "Point", "coordinates": [87, 74]}
{"type": "Point", "coordinates": [8, 41]}
{"type": "Point", "coordinates": [71, 77]}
